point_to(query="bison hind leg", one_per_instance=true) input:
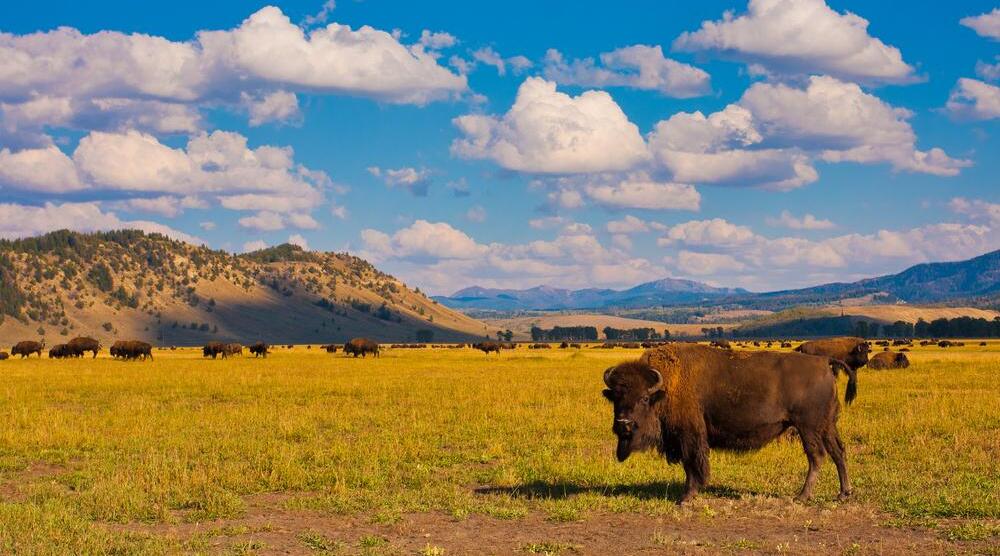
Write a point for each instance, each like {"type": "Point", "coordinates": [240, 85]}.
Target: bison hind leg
{"type": "Point", "coordinates": [813, 446]}
{"type": "Point", "coordinates": [835, 447]}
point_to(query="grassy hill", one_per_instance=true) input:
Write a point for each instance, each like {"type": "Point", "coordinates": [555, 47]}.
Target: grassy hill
{"type": "Point", "coordinates": [127, 284]}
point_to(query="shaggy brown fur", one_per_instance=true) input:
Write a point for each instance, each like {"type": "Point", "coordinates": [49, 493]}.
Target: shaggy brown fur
{"type": "Point", "coordinates": [60, 351]}
{"type": "Point", "coordinates": [888, 360]}
{"type": "Point", "coordinates": [4, 355]}
{"type": "Point", "coordinates": [361, 346]}
{"type": "Point", "coordinates": [27, 347]}
{"type": "Point", "coordinates": [212, 349]}
{"type": "Point", "coordinates": [852, 351]}
{"type": "Point", "coordinates": [684, 399]}
{"type": "Point", "coordinates": [487, 347]}
{"type": "Point", "coordinates": [232, 349]}
{"type": "Point", "coordinates": [131, 350]}
{"type": "Point", "coordinates": [260, 349]}
{"type": "Point", "coordinates": [78, 346]}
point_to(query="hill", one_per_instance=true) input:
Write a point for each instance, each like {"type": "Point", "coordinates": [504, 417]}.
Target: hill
{"type": "Point", "coordinates": [668, 291]}
{"type": "Point", "coordinates": [127, 284]}
{"type": "Point", "coordinates": [521, 326]}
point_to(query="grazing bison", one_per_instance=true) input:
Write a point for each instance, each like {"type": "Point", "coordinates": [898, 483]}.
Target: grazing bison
{"type": "Point", "coordinates": [888, 360]}
{"type": "Point", "coordinates": [684, 399]}
{"type": "Point", "coordinates": [212, 349]}
{"type": "Point", "coordinates": [852, 351]}
{"type": "Point", "coordinates": [361, 346]}
{"type": "Point", "coordinates": [259, 349]}
{"type": "Point", "coordinates": [131, 350]}
{"type": "Point", "coordinates": [232, 349]}
{"type": "Point", "coordinates": [722, 344]}
{"type": "Point", "coordinates": [79, 346]}
{"type": "Point", "coordinates": [487, 347]}
{"type": "Point", "coordinates": [4, 356]}
{"type": "Point", "coordinates": [27, 347]}
{"type": "Point", "coordinates": [61, 351]}
{"type": "Point", "coordinates": [330, 348]}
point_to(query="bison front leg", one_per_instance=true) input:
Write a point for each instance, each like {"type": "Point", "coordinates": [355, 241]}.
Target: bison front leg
{"type": "Point", "coordinates": [694, 457]}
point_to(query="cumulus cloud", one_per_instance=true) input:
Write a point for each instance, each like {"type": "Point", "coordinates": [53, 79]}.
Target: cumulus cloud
{"type": "Point", "coordinates": [638, 67]}
{"type": "Point", "coordinates": [633, 225]}
{"type": "Point", "coordinates": [151, 83]}
{"type": "Point", "coordinates": [801, 37]}
{"type": "Point", "coordinates": [416, 181]}
{"type": "Point", "coordinates": [45, 169]}
{"type": "Point", "coordinates": [549, 132]}
{"type": "Point", "coordinates": [989, 72]}
{"type": "Point", "coordinates": [974, 100]}
{"type": "Point", "coordinates": [985, 25]}
{"type": "Point", "coordinates": [263, 221]}
{"type": "Point", "coordinates": [297, 239]}
{"type": "Point", "coordinates": [164, 205]}
{"type": "Point", "coordinates": [806, 222]}
{"type": "Point", "coordinates": [279, 106]}
{"type": "Point", "coordinates": [255, 245]}
{"type": "Point", "coordinates": [705, 264]}
{"type": "Point", "coordinates": [208, 225]}
{"type": "Point", "coordinates": [486, 55]}
{"type": "Point", "coordinates": [24, 220]}
{"type": "Point", "coordinates": [715, 232]}
{"type": "Point", "coordinates": [423, 240]}
{"type": "Point", "coordinates": [639, 191]}
{"type": "Point", "coordinates": [976, 209]}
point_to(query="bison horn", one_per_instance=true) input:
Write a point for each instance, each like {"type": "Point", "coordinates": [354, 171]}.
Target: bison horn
{"type": "Point", "coordinates": [607, 376]}
{"type": "Point", "coordinates": [659, 382]}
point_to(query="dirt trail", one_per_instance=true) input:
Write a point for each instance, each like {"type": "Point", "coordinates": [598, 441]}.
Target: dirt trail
{"type": "Point", "coordinates": [712, 526]}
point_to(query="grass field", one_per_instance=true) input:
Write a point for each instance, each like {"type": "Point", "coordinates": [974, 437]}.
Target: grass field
{"type": "Point", "coordinates": [191, 455]}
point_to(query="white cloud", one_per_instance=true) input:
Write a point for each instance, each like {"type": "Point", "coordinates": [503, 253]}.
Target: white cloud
{"type": "Point", "coordinates": [255, 245]}
{"type": "Point", "coordinates": [705, 264]}
{"type": "Point", "coordinates": [24, 220]}
{"type": "Point", "coordinates": [842, 122]}
{"type": "Point", "coordinates": [985, 25]}
{"type": "Point", "coordinates": [279, 106]}
{"type": "Point", "coordinates": [974, 100]}
{"type": "Point", "coordinates": [806, 222]}
{"type": "Point", "coordinates": [547, 222]}
{"type": "Point", "coordinates": [638, 67]}
{"type": "Point", "coordinates": [977, 210]}
{"type": "Point", "coordinates": [339, 211]}
{"type": "Point", "coordinates": [164, 205]}
{"type": "Point", "coordinates": [546, 131]}
{"type": "Point", "coordinates": [416, 181]}
{"type": "Point", "coordinates": [490, 57]}
{"type": "Point", "coordinates": [208, 226]}
{"type": "Point", "coordinates": [639, 191]}
{"type": "Point", "coordinates": [321, 16]}
{"type": "Point", "coordinates": [801, 37]}
{"type": "Point", "coordinates": [476, 214]}
{"type": "Point", "coordinates": [46, 170]}
{"type": "Point", "coordinates": [423, 240]}
{"type": "Point", "coordinates": [297, 239]}
{"type": "Point", "coordinates": [715, 232]}
{"type": "Point", "coordinates": [627, 225]}
{"type": "Point", "coordinates": [437, 40]}
{"type": "Point", "coordinates": [519, 64]}
{"type": "Point", "coordinates": [989, 72]}
{"type": "Point", "coordinates": [151, 83]}
{"type": "Point", "coordinates": [263, 221]}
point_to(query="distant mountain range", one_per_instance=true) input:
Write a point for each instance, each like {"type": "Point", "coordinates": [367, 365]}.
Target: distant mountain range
{"type": "Point", "coordinates": [668, 291]}
{"type": "Point", "coordinates": [974, 282]}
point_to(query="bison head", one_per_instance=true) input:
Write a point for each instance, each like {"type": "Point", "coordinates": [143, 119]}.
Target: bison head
{"type": "Point", "coordinates": [635, 389]}
{"type": "Point", "coordinates": [858, 357]}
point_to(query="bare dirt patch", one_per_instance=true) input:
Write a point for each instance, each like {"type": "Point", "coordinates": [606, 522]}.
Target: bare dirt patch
{"type": "Point", "coordinates": [11, 483]}
{"type": "Point", "coordinates": [710, 526]}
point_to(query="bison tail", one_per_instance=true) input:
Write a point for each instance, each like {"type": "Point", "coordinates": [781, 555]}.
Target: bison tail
{"type": "Point", "coordinates": [852, 379]}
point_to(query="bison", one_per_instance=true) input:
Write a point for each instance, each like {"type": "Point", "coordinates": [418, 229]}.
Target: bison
{"type": "Point", "coordinates": [61, 351]}
{"type": "Point", "coordinates": [888, 360]}
{"type": "Point", "coordinates": [27, 347]}
{"type": "Point", "coordinates": [487, 347]}
{"type": "Point", "coordinates": [361, 346]}
{"type": "Point", "coordinates": [722, 344]}
{"type": "Point", "coordinates": [330, 348]}
{"type": "Point", "coordinates": [232, 349]}
{"type": "Point", "coordinates": [212, 349]}
{"type": "Point", "coordinates": [131, 350]}
{"type": "Point", "coordinates": [4, 356]}
{"type": "Point", "coordinates": [852, 351]}
{"type": "Point", "coordinates": [79, 346]}
{"type": "Point", "coordinates": [259, 349]}
{"type": "Point", "coordinates": [684, 399]}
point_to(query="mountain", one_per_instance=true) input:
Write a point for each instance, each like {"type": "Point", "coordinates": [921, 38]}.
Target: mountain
{"type": "Point", "coordinates": [668, 291]}
{"type": "Point", "coordinates": [975, 282]}
{"type": "Point", "coordinates": [127, 284]}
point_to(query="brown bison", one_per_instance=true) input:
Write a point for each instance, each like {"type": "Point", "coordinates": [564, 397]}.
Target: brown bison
{"type": "Point", "coordinates": [212, 349]}
{"type": "Point", "coordinates": [260, 349]}
{"type": "Point", "coordinates": [131, 350]}
{"type": "Point", "coordinates": [4, 356]}
{"type": "Point", "coordinates": [27, 347]}
{"type": "Point", "coordinates": [888, 360]}
{"type": "Point", "coordinates": [852, 351]}
{"type": "Point", "coordinates": [684, 399]}
{"type": "Point", "coordinates": [487, 347]}
{"type": "Point", "coordinates": [61, 351]}
{"type": "Point", "coordinates": [79, 346]}
{"type": "Point", "coordinates": [330, 348]}
{"type": "Point", "coordinates": [722, 344]}
{"type": "Point", "coordinates": [232, 349]}
{"type": "Point", "coordinates": [361, 346]}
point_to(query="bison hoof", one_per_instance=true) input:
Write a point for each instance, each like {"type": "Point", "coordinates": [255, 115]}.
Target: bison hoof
{"type": "Point", "coordinates": [844, 496]}
{"type": "Point", "coordinates": [688, 496]}
{"type": "Point", "coordinates": [802, 498]}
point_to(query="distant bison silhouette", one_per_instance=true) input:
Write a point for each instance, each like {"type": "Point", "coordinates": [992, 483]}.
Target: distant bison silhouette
{"type": "Point", "coordinates": [79, 346]}
{"type": "Point", "coordinates": [232, 349]}
{"type": "Point", "coordinates": [213, 349]}
{"type": "Point", "coordinates": [259, 349]}
{"type": "Point", "coordinates": [361, 346]}
{"type": "Point", "coordinates": [487, 347]}
{"type": "Point", "coordinates": [852, 351]}
{"type": "Point", "coordinates": [330, 348]}
{"type": "Point", "coordinates": [27, 347]}
{"type": "Point", "coordinates": [61, 351]}
{"type": "Point", "coordinates": [4, 356]}
{"type": "Point", "coordinates": [131, 350]}
{"type": "Point", "coordinates": [888, 360]}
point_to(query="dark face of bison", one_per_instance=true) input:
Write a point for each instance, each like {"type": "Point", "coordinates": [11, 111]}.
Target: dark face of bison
{"type": "Point", "coordinates": [635, 390]}
{"type": "Point", "coordinates": [859, 355]}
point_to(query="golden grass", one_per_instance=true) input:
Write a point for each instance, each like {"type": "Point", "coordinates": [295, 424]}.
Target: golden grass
{"type": "Point", "coordinates": [186, 439]}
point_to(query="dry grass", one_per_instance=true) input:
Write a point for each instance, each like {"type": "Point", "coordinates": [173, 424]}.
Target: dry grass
{"type": "Point", "coordinates": [184, 439]}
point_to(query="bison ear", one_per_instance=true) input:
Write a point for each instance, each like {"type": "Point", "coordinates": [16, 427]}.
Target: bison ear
{"type": "Point", "coordinates": [609, 394]}
{"type": "Point", "coordinates": [656, 397]}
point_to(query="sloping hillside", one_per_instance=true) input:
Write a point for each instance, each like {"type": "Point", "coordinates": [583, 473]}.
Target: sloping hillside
{"type": "Point", "coordinates": [521, 326]}
{"type": "Point", "coordinates": [127, 284]}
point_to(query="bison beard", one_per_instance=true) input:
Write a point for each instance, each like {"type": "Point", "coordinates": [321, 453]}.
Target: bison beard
{"type": "Point", "coordinates": [684, 399]}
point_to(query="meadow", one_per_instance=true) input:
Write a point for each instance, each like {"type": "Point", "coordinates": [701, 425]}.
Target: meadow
{"type": "Point", "coordinates": [433, 451]}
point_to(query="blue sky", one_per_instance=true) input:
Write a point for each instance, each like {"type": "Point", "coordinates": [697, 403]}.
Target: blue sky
{"type": "Point", "coordinates": [784, 144]}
